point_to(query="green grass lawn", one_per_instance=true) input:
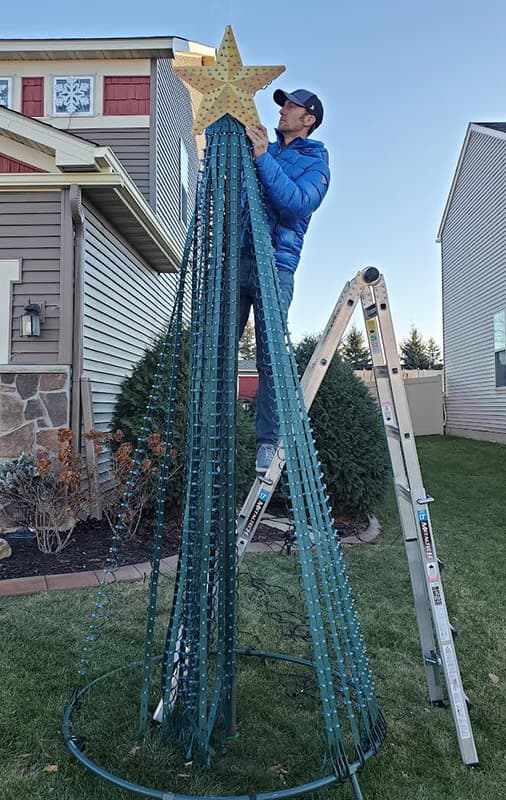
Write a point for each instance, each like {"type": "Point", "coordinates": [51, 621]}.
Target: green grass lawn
{"type": "Point", "coordinates": [279, 743]}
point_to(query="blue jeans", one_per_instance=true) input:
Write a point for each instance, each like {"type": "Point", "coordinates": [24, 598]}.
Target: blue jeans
{"type": "Point", "coordinates": [267, 420]}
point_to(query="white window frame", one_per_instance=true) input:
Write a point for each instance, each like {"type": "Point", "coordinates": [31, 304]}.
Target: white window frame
{"type": "Point", "coordinates": [184, 181]}
{"type": "Point", "coordinates": [10, 273]}
{"type": "Point", "coordinates": [499, 321]}
{"type": "Point", "coordinates": [9, 90]}
{"type": "Point", "coordinates": [91, 112]}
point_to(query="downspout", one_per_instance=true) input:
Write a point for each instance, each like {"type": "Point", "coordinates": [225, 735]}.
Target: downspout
{"type": "Point", "coordinates": [439, 240]}
{"type": "Point", "coordinates": [77, 333]}
{"type": "Point", "coordinates": [82, 401]}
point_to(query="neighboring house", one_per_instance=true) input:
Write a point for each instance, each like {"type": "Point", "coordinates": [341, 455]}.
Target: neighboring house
{"type": "Point", "coordinates": [473, 255]}
{"type": "Point", "coordinates": [98, 171]}
{"type": "Point", "coordinates": [247, 380]}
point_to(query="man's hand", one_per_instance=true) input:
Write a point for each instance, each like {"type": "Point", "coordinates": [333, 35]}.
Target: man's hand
{"type": "Point", "coordinates": [259, 139]}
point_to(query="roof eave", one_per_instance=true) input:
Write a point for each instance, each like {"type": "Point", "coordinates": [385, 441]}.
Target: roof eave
{"type": "Point", "coordinates": [98, 48]}
{"type": "Point", "coordinates": [453, 183]}
{"type": "Point", "coordinates": [82, 49]}
{"type": "Point", "coordinates": [471, 128]}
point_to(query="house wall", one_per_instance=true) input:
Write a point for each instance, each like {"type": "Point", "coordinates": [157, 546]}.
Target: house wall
{"type": "Point", "coordinates": [31, 230]}
{"type": "Point", "coordinates": [34, 403]}
{"type": "Point", "coordinates": [474, 288]}
{"type": "Point", "coordinates": [126, 305]}
{"type": "Point", "coordinates": [35, 373]}
{"type": "Point", "coordinates": [173, 121]}
{"type": "Point", "coordinates": [131, 146]}
{"type": "Point", "coordinates": [98, 68]}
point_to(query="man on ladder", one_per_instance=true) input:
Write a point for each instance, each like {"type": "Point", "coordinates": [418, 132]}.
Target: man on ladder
{"type": "Point", "coordinates": [294, 176]}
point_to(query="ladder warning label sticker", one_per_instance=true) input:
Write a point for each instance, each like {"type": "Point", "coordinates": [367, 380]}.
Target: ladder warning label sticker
{"type": "Point", "coordinates": [456, 692]}
{"type": "Point", "coordinates": [388, 413]}
{"type": "Point", "coordinates": [432, 571]}
{"type": "Point", "coordinates": [372, 333]}
{"type": "Point", "coordinates": [440, 614]}
{"type": "Point", "coordinates": [428, 546]}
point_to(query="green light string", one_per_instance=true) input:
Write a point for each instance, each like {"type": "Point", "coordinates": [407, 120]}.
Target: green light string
{"type": "Point", "coordinates": [323, 576]}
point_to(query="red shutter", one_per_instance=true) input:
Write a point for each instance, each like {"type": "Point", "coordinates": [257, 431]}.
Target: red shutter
{"type": "Point", "coordinates": [32, 97]}
{"type": "Point", "coordinates": [8, 164]}
{"type": "Point", "coordinates": [126, 94]}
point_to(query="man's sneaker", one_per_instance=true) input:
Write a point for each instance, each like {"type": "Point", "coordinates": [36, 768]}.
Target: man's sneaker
{"type": "Point", "coordinates": [265, 454]}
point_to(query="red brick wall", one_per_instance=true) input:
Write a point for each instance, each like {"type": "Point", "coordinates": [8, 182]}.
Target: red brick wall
{"type": "Point", "coordinates": [126, 95]}
{"type": "Point", "coordinates": [32, 97]}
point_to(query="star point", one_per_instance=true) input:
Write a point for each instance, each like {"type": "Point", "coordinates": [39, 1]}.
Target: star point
{"type": "Point", "coordinates": [227, 87]}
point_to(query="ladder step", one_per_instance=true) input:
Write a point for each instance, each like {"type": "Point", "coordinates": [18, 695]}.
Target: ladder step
{"type": "Point", "coordinates": [404, 489]}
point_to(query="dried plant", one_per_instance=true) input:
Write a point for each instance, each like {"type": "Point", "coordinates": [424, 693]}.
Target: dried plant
{"type": "Point", "coordinates": [45, 495]}
{"type": "Point", "coordinates": [116, 506]}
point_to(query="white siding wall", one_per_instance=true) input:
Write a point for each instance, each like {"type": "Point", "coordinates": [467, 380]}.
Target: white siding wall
{"type": "Point", "coordinates": [173, 122]}
{"type": "Point", "coordinates": [126, 304]}
{"type": "Point", "coordinates": [131, 146]}
{"type": "Point", "coordinates": [474, 288]}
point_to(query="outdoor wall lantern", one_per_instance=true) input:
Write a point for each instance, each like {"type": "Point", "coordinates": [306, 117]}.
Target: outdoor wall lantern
{"type": "Point", "coordinates": [30, 320]}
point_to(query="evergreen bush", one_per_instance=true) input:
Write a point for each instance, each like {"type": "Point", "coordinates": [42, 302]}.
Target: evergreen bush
{"type": "Point", "coordinates": [246, 450]}
{"type": "Point", "coordinates": [130, 410]}
{"type": "Point", "coordinates": [349, 435]}
{"type": "Point", "coordinates": [131, 407]}
{"type": "Point", "coordinates": [346, 423]}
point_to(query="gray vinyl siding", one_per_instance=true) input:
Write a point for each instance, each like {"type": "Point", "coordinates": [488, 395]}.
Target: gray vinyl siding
{"type": "Point", "coordinates": [130, 145]}
{"type": "Point", "coordinates": [474, 288]}
{"type": "Point", "coordinates": [126, 304]}
{"type": "Point", "coordinates": [173, 121]}
{"type": "Point", "coordinates": [30, 230]}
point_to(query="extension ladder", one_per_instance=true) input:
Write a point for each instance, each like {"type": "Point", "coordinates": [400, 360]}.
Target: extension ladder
{"type": "Point", "coordinates": [369, 288]}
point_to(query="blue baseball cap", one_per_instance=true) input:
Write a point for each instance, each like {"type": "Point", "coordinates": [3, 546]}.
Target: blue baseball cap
{"type": "Point", "coordinates": [303, 98]}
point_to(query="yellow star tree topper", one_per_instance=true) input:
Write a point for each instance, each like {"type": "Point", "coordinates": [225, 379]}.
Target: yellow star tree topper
{"type": "Point", "coordinates": [227, 86]}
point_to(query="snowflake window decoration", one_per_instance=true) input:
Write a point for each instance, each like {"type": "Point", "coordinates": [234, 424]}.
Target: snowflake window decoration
{"type": "Point", "coordinates": [5, 92]}
{"type": "Point", "coordinates": [73, 95]}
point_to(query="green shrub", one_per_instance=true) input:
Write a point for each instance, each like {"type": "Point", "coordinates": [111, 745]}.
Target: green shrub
{"type": "Point", "coordinates": [346, 423]}
{"type": "Point", "coordinates": [130, 409]}
{"type": "Point", "coordinates": [246, 450]}
{"type": "Point", "coordinates": [349, 435]}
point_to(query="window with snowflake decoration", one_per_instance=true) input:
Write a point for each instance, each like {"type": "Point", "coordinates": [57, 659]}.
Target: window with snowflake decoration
{"type": "Point", "coordinates": [6, 92]}
{"type": "Point", "coordinates": [73, 95]}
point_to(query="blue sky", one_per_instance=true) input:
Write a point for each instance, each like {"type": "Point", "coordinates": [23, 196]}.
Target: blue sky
{"type": "Point", "coordinates": [400, 81]}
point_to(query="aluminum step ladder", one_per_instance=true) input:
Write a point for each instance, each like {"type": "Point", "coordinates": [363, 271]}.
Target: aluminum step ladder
{"type": "Point", "coordinates": [435, 631]}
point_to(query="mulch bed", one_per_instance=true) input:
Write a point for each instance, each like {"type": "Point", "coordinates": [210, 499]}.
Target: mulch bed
{"type": "Point", "coordinates": [89, 547]}
{"type": "Point", "coordinates": [87, 550]}
{"type": "Point", "coordinates": [90, 542]}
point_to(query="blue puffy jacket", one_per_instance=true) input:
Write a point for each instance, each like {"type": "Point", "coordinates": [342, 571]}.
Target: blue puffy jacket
{"type": "Point", "coordinates": [294, 181]}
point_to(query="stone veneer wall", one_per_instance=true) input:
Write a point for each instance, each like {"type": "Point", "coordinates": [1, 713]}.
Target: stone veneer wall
{"type": "Point", "coordinates": [33, 405]}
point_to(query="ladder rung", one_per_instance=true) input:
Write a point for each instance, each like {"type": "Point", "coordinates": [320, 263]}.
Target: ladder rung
{"type": "Point", "coordinates": [393, 430]}
{"type": "Point", "coordinates": [404, 489]}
